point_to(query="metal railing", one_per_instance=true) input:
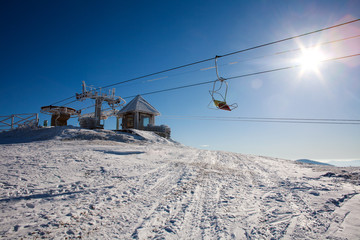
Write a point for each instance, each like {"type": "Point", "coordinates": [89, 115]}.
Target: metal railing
{"type": "Point", "coordinates": [18, 121]}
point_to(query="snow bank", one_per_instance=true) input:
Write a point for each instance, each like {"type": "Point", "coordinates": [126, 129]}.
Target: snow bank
{"type": "Point", "coordinates": [153, 137]}
{"type": "Point", "coordinates": [76, 133]}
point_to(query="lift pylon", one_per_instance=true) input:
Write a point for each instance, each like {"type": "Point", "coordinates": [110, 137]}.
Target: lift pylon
{"type": "Point", "coordinates": [99, 97]}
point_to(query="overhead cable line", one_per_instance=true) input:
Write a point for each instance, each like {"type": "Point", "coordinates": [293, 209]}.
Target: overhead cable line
{"type": "Point", "coordinates": [225, 55]}
{"type": "Point", "coordinates": [69, 102]}
{"type": "Point", "coordinates": [251, 74]}
{"type": "Point", "coordinates": [328, 120]}
{"type": "Point", "coordinates": [282, 121]}
{"type": "Point", "coordinates": [82, 109]}
{"type": "Point", "coordinates": [289, 38]}
{"type": "Point", "coordinates": [240, 76]}
{"type": "Point", "coordinates": [62, 100]}
{"type": "Point", "coordinates": [277, 53]}
{"type": "Point", "coordinates": [319, 44]}
{"type": "Point", "coordinates": [288, 51]}
{"type": "Point", "coordinates": [232, 53]}
{"type": "Point", "coordinates": [254, 58]}
{"type": "Point", "coordinates": [268, 119]}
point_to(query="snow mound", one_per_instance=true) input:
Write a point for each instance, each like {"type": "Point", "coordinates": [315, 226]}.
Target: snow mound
{"type": "Point", "coordinates": [67, 133]}
{"type": "Point", "coordinates": [97, 134]}
{"type": "Point", "coordinates": [153, 137]}
{"type": "Point", "coordinates": [29, 135]}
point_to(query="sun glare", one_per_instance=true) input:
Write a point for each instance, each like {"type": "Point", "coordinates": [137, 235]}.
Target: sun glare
{"type": "Point", "coordinates": [310, 61]}
{"type": "Point", "coordinates": [310, 58]}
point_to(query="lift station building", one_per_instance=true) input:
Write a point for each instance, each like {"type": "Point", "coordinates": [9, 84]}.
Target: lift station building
{"type": "Point", "coordinates": [139, 114]}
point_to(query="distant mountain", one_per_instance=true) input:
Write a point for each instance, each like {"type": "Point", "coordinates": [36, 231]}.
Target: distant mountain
{"type": "Point", "coordinates": [312, 162]}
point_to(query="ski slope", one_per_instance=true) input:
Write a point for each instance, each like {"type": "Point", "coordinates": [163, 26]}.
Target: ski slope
{"type": "Point", "coordinates": [74, 183]}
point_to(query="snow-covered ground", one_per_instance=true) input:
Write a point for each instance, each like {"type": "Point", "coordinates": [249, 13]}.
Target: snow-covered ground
{"type": "Point", "coordinates": [74, 183]}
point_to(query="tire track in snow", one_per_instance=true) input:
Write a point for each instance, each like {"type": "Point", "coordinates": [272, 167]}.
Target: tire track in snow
{"type": "Point", "coordinates": [150, 190]}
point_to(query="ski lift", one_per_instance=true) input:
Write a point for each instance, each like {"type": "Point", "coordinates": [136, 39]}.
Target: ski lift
{"type": "Point", "coordinates": [219, 92]}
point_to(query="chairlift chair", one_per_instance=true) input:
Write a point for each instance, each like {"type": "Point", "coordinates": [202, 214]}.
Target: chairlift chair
{"type": "Point", "coordinates": [218, 94]}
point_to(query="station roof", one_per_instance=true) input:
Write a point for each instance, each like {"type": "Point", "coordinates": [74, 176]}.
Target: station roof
{"type": "Point", "coordinates": [139, 104]}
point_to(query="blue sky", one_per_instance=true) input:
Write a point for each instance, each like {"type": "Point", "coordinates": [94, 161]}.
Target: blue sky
{"type": "Point", "coordinates": [49, 47]}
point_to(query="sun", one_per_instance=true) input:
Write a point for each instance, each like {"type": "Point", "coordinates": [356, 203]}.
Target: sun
{"type": "Point", "coordinates": [310, 59]}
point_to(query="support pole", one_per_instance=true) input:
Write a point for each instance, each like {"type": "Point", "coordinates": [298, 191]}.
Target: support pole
{"type": "Point", "coordinates": [98, 103]}
{"type": "Point", "coordinates": [136, 120]}
{"type": "Point", "coordinates": [117, 123]}
{"type": "Point", "coordinates": [12, 121]}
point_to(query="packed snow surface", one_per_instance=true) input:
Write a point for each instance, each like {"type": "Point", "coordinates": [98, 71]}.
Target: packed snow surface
{"type": "Point", "coordinates": [74, 183]}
